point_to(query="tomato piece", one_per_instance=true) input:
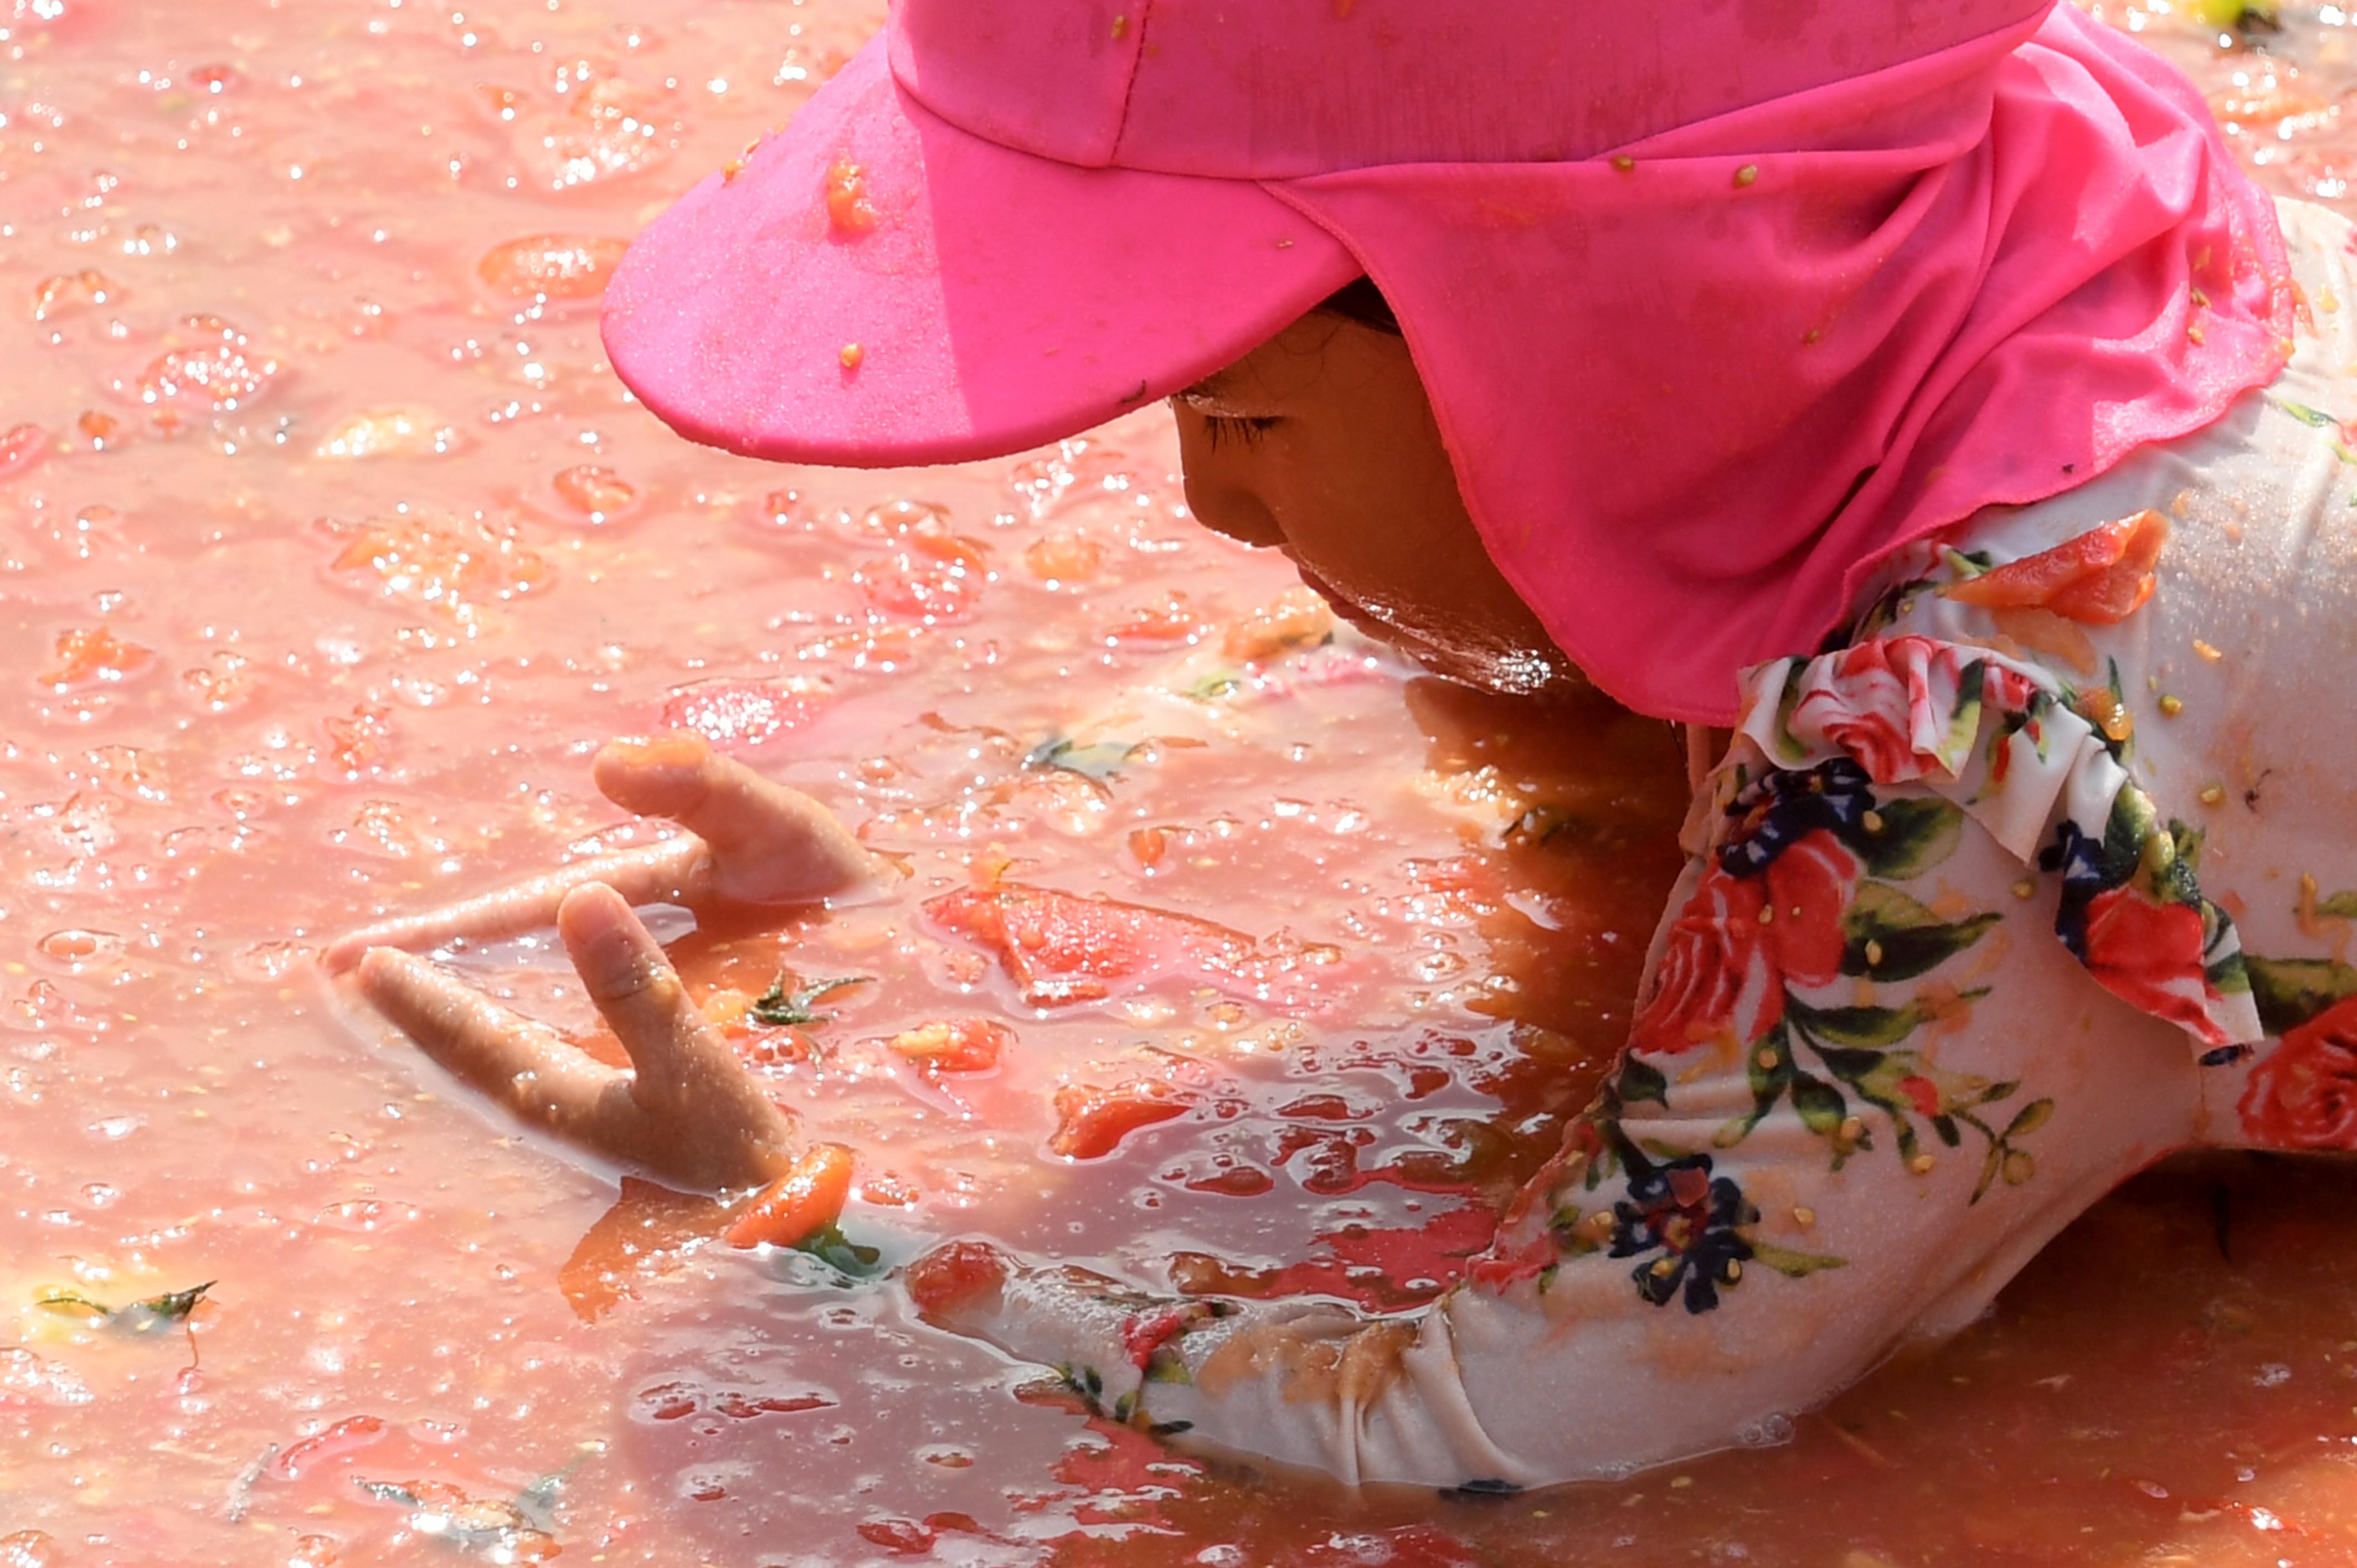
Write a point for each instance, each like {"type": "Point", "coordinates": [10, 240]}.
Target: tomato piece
{"type": "Point", "coordinates": [347, 1436]}
{"type": "Point", "coordinates": [598, 491]}
{"type": "Point", "coordinates": [219, 376]}
{"type": "Point", "coordinates": [555, 266]}
{"type": "Point", "coordinates": [96, 654]}
{"type": "Point", "coordinates": [1169, 618]}
{"type": "Point", "coordinates": [1063, 556]}
{"type": "Point", "coordinates": [448, 567]}
{"type": "Point", "coordinates": [919, 582]}
{"type": "Point", "coordinates": [1091, 1122]}
{"type": "Point", "coordinates": [2100, 578]}
{"type": "Point", "coordinates": [955, 1277]}
{"type": "Point", "coordinates": [800, 1204]}
{"type": "Point", "coordinates": [21, 447]}
{"type": "Point", "coordinates": [848, 212]}
{"type": "Point", "coordinates": [742, 712]}
{"type": "Point", "coordinates": [1063, 947]}
{"type": "Point", "coordinates": [357, 745]}
{"type": "Point", "coordinates": [637, 1240]}
{"type": "Point", "coordinates": [956, 1044]}
{"type": "Point", "coordinates": [1297, 617]}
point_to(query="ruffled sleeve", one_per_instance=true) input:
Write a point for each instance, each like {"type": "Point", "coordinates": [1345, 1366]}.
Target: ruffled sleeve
{"type": "Point", "coordinates": [2042, 765]}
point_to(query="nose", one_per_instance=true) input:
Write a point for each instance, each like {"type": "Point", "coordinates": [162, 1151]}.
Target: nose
{"type": "Point", "coordinates": [1239, 514]}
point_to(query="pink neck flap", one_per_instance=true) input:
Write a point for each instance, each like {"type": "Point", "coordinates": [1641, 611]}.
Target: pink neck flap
{"type": "Point", "coordinates": [1695, 392]}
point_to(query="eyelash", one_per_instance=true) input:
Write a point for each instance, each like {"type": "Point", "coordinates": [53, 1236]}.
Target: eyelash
{"type": "Point", "coordinates": [1222, 427]}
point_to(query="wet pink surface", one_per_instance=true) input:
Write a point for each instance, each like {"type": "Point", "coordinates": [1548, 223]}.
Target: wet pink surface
{"type": "Point", "coordinates": [329, 550]}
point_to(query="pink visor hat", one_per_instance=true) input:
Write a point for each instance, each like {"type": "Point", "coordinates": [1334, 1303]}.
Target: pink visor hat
{"type": "Point", "coordinates": [1716, 305]}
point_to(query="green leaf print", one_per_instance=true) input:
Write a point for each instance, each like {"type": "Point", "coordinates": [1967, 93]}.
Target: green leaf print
{"type": "Point", "coordinates": [1890, 935]}
{"type": "Point", "coordinates": [1914, 835]}
{"type": "Point", "coordinates": [1792, 1264]}
{"type": "Point", "coordinates": [2338, 905]}
{"type": "Point", "coordinates": [2292, 991]}
{"type": "Point", "coordinates": [1639, 1081]}
{"type": "Point", "coordinates": [1862, 1028]}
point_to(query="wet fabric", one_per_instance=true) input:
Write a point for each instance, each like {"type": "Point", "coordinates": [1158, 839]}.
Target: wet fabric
{"type": "Point", "coordinates": [2047, 873]}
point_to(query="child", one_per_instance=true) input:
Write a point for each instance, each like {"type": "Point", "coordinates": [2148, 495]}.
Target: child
{"type": "Point", "coordinates": [1913, 401]}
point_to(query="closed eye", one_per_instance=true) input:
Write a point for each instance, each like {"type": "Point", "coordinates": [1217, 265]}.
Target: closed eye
{"type": "Point", "coordinates": [1251, 430]}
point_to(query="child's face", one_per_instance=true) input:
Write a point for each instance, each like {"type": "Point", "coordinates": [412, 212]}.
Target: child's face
{"type": "Point", "coordinates": [1321, 443]}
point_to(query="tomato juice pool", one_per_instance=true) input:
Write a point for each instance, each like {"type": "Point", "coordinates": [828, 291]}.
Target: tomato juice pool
{"type": "Point", "coordinates": [330, 549]}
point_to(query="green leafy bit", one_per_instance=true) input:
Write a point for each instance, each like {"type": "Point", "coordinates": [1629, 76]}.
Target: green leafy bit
{"type": "Point", "coordinates": [840, 1253]}
{"type": "Point", "coordinates": [1101, 761]}
{"type": "Point", "coordinates": [2339, 907]}
{"type": "Point", "coordinates": [1217, 684]}
{"type": "Point", "coordinates": [780, 1007]}
{"type": "Point", "coordinates": [173, 1306]}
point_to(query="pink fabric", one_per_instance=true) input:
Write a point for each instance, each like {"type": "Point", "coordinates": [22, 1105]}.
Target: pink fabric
{"type": "Point", "coordinates": [1693, 389]}
{"type": "Point", "coordinates": [1690, 414]}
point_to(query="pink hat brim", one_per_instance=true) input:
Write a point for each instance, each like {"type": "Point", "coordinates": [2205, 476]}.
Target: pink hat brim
{"type": "Point", "coordinates": [998, 300]}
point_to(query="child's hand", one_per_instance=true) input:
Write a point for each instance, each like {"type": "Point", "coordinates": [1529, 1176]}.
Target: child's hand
{"type": "Point", "coordinates": [749, 842]}
{"type": "Point", "coordinates": [690, 1114]}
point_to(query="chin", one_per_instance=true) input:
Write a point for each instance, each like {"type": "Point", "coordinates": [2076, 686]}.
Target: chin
{"type": "Point", "coordinates": [1502, 672]}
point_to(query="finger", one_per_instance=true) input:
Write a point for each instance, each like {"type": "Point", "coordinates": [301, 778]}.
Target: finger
{"type": "Point", "coordinates": [659, 873]}
{"type": "Point", "coordinates": [769, 845]}
{"type": "Point", "coordinates": [540, 1078]}
{"type": "Point", "coordinates": [688, 1078]}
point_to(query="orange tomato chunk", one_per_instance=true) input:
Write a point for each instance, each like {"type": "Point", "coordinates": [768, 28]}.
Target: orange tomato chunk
{"type": "Point", "coordinates": [1091, 1122]}
{"type": "Point", "coordinates": [1297, 617]}
{"type": "Point", "coordinates": [95, 654]}
{"type": "Point", "coordinates": [599, 491]}
{"type": "Point", "coordinates": [800, 1204]}
{"type": "Point", "coordinates": [848, 212]}
{"type": "Point", "coordinates": [555, 266]}
{"type": "Point", "coordinates": [2100, 578]}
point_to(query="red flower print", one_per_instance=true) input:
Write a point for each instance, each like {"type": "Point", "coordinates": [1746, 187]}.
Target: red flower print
{"type": "Point", "coordinates": [2150, 955]}
{"type": "Point", "coordinates": [2304, 1095]}
{"type": "Point", "coordinates": [2008, 691]}
{"type": "Point", "coordinates": [1739, 940]}
{"type": "Point", "coordinates": [1808, 889]}
{"type": "Point", "coordinates": [1865, 700]}
{"type": "Point", "coordinates": [1715, 972]}
{"type": "Point", "coordinates": [1923, 1092]}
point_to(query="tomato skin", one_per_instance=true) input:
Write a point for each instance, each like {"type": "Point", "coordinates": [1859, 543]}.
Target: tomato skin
{"type": "Point", "coordinates": [800, 1204]}
{"type": "Point", "coordinates": [346, 1435]}
{"type": "Point", "coordinates": [1091, 1122]}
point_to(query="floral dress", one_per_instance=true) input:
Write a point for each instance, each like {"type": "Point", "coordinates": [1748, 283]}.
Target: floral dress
{"type": "Point", "coordinates": [2049, 870]}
